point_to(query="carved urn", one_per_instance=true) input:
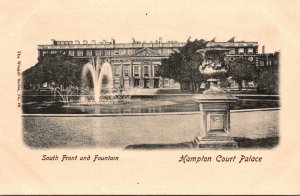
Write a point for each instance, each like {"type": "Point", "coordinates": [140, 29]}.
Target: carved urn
{"type": "Point", "coordinates": [214, 65]}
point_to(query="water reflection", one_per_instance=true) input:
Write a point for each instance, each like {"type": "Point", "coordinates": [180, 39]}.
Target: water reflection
{"type": "Point", "coordinates": [44, 105]}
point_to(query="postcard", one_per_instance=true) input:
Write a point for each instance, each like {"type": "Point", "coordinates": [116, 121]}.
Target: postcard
{"type": "Point", "coordinates": [149, 97]}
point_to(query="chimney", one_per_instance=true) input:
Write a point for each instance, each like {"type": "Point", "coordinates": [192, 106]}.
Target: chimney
{"type": "Point", "coordinates": [263, 49]}
{"type": "Point", "coordinates": [160, 40]}
{"type": "Point", "coordinates": [93, 41]}
{"type": "Point", "coordinates": [113, 41]}
{"type": "Point", "coordinates": [77, 42]}
{"type": "Point", "coordinates": [231, 40]}
{"type": "Point", "coordinates": [85, 42]}
{"type": "Point", "coordinates": [133, 40]}
{"type": "Point", "coordinates": [54, 42]}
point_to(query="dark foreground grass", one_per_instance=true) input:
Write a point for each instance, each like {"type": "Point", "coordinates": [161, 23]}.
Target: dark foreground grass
{"type": "Point", "coordinates": [269, 142]}
{"type": "Point", "coordinates": [242, 143]}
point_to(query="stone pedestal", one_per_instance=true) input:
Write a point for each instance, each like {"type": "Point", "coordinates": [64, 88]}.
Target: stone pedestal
{"type": "Point", "coordinates": [215, 120]}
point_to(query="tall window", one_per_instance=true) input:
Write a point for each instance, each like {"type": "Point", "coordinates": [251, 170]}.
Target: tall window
{"type": "Point", "coordinates": [126, 70]}
{"type": "Point", "coordinates": [107, 52]}
{"type": "Point", "coordinates": [232, 51]}
{"type": "Point", "coordinates": [98, 52]}
{"type": "Point", "coordinates": [117, 83]}
{"type": "Point", "coordinates": [241, 51]}
{"type": "Point", "coordinates": [250, 50]}
{"type": "Point", "coordinates": [136, 71]}
{"type": "Point", "coordinates": [146, 70]}
{"type": "Point", "coordinates": [79, 53]}
{"type": "Point", "coordinates": [89, 53]}
{"type": "Point", "coordinates": [71, 52]}
{"type": "Point", "coordinates": [164, 51]}
{"type": "Point", "coordinates": [156, 71]}
{"type": "Point", "coordinates": [117, 70]}
{"type": "Point", "coordinates": [121, 52]}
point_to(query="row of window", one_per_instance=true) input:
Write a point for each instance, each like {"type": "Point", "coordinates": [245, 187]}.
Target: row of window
{"type": "Point", "coordinates": [269, 62]}
{"type": "Point", "coordinates": [136, 70]}
{"type": "Point", "coordinates": [114, 52]}
{"type": "Point", "coordinates": [250, 58]}
{"type": "Point", "coordinates": [242, 51]}
{"type": "Point", "coordinates": [132, 51]}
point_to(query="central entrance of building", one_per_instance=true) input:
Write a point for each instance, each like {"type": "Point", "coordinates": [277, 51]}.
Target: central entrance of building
{"type": "Point", "coordinates": [156, 83]}
{"type": "Point", "coordinates": [136, 82]}
{"type": "Point", "coordinates": [146, 83]}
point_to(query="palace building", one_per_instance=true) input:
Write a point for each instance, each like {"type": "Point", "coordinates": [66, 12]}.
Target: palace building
{"type": "Point", "coordinates": [135, 64]}
{"type": "Point", "coordinates": [268, 59]}
{"type": "Point", "coordinates": [239, 49]}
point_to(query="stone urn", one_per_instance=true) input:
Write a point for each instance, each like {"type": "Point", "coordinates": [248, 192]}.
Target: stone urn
{"type": "Point", "coordinates": [214, 65]}
{"type": "Point", "coordinates": [214, 103]}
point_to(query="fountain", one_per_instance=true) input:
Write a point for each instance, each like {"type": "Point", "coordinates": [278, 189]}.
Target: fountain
{"type": "Point", "coordinates": [98, 73]}
{"type": "Point", "coordinates": [214, 103]}
{"type": "Point", "coordinates": [67, 95]}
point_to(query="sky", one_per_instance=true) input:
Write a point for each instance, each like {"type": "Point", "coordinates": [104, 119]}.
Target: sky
{"type": "Point", "coordinates": [27, 24]}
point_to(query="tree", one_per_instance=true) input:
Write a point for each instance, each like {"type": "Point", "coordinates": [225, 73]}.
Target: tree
{"type": "Point", "coordinates": [33, 75]}
{"type": "Point", "coordinates": [60, 69]}
{"type": "Point", "coordinates": [268, 81]}
{"type": "Point", "coordinates": [183, 66]}
{"type": "Point", "coordinates": [242, 70]}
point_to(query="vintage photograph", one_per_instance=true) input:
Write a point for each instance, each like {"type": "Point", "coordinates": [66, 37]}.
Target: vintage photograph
{"type": "Point", "coordinates": [159, 94]}
{"type": "Point", "coordinates": [149, 97]}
